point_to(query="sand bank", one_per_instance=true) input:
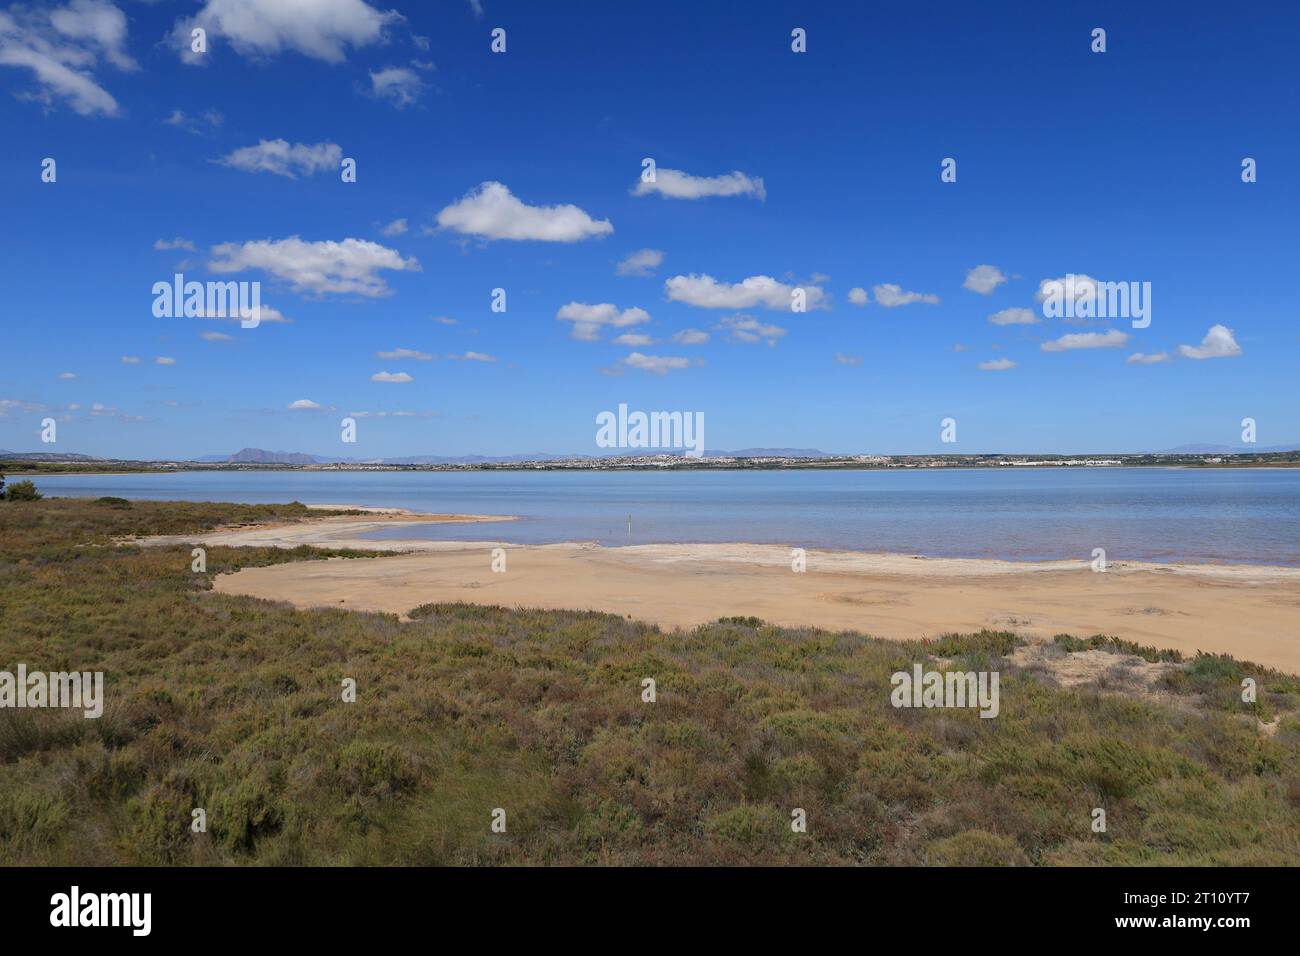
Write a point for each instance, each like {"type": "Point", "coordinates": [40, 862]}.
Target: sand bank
{"type": "Point", "coordinates": [1250, 612]}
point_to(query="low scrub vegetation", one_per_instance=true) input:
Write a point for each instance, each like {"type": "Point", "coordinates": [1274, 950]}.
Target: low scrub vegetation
{"type": "Point", "coordinates": [234, 705]}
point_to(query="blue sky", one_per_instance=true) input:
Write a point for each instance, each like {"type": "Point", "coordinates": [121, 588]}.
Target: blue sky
{"type": "Point", "coordinates": [1121, 166]}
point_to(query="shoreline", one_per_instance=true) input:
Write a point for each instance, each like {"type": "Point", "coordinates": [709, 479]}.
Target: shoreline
{"type": "Point", "coordinates": [1247, 611]}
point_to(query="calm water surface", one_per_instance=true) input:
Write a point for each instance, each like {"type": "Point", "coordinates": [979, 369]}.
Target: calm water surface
{"type": "Point", "coordinates": [1146, 514]}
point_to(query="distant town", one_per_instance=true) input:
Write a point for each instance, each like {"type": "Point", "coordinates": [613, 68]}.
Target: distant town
{"type": "Point", "coordinates": [252, 459]}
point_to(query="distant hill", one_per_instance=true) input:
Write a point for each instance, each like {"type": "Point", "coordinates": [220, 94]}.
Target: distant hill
{"type": "Point", "coordinates": [1205, 449]}
{"type": "Point", "coordinates": [47, 456]}
{"type": "Point", "coordinates": [260, 456]}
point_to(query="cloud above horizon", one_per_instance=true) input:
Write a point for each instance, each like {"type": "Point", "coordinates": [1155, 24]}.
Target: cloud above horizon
{"type": "Point", "coordinates": [589, 320]}
{"type": "Point", "coordinates": [675, 184]}
{"type": "Point", "coordinates": [891, 296]}
{"type": "Point", "coordinates": [984, 279]}
{"type": "Point", "coordinates": [643, 262]}
{"type": "Point", "coordinates": [347, 267]}
{"type": "Point", "coordinates": [1218, 343]}
{"type": "Point", "coordinates": [493, 212]}
{"type": "Point", "coordinates": [1087, 340]}
{"type": "Point", "coordinates": [62, 47]}
{"type": "Point", "coordinates": [319, 29]}
{"type": "Point", "coordinates": [706, 292]}
{"type": "Point", "coordinates": [279, 157]}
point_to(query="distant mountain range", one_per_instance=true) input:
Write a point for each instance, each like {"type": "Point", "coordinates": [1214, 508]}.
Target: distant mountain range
{"type": "Point", "coordinates": [47, 456]}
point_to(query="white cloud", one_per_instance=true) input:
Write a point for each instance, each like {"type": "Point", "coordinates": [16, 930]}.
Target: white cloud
{"type": "Point", "coordinates": [268, 313]}
{"type": "Point", "coordinates": [1015, 317]}
{"type": "Point", "coordinates": [1087, 340]}
{"type": "Point", "coordinates": [67, 375]}
{"type": "Point", "coordinates": [395, 228]}
{"type": "Point", "coordinates": [397, 378]}
{"type": "Point", "coordinates": [748, 330]}
{"type": "Point", "coordinates": [477, 7]}
{"type": "Point", "coordinates": [658, 364]}
{"type": "Point", "coordinates": [984, 279]}
{"type": "Point", "coordinates": [348, 267]}
{"type": "Point", "coordinates": [850, 360]}
{"type": "Point", "coordinates": [641, 263]}
{"type": "Point", "coordinates": [1079, 287]}
{"type": "Point", "coordinates": [215, 337]}
{"type": "Point", "coordinates": [130, 360]}
{"type": "Point", "coordinates": [1138, 358]}
{"type": "Point", "coordinates": [675, 184]}
{"type": "Point", "coordinates": [279, 157]}
{"type": "Point", "coordinates": [398, 84]}
{"type": "Point", "coordinates": [321, 29]}
{"type": "Point", "coordinates": [997, 365]}
{"type": "Point", "coordinates": [396, 354]}
{"type": "Point", "coordinates": [163, 360]}
{"type": "Point", "coordinates": [199, 125]}
{"type": "Point", "coordinates": [473, 357]}
{"type": "Point", "coordinates": [633, 340]}
{"type": "Point", "coordinates": [708, 293]}
{"type": "Point", "coordinates": [304, 403]}
{"type": "Point", "coordinates": [890, 296]}
{"type": "Point", "coordinates": [162, 245]}
{"type": "Point", "coordinates": [1218, 343]}
{"type": "Point", "coordinates": [492, 212]}
{"type": "Point", "coordinates": [62, 47]}
{"type": "Point", "coordinates": [588, 320]}
{"type": "Point", "coordinates": [690, 337]}
{"type": "Point", "coordinates": [858, 296]}
{"type": "Point", "coordinates": [442, 320]}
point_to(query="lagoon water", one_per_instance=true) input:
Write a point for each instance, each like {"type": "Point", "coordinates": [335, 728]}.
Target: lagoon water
{"type": "Point", "coordinates": [1248, 516]}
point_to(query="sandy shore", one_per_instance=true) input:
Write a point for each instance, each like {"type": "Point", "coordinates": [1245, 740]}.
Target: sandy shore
{"type": "Point", "coordinates": [1247, 611]}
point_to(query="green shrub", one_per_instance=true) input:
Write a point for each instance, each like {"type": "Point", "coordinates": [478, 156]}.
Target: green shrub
{"type": "Point", "coordinates": [23, 491]}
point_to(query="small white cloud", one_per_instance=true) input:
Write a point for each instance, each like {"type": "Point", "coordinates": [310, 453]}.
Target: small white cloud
{"type": "Point", "coordinates": [1218, 343]}
{"type": "Point", "coordinates": [997, 365]}
{"type": "Point", "coordinates": [68, 376]}
{"type": "Point", "coordinates": [215, 337]}
{"type": "Point", "coordinates": [279, 157]}
{"type": "Point", "coordinates": [690, 337]}
{"type": "Point", "coordinates": [396, 354]}
{"type": "Point", "coordinates": [658, 364]}
{"type": "Point", "coordinates": [442, 320]}
{"type": "Point", "coordinates": [851, 360]}
{"type": "Point", "coordinates": [1138, 358]}
{"type": "Point", "coordinates": [984, 279]}
{"type": "Point", "coordinates": [748, 330]}
{"type": "Point", "coordinates": [397, 378]}
{"type": "Point", "coordinates": [321, 29]}
{"type": "Point", "coordinates": [492, 212]}
{"type": "Point", "coordinates": [304, 403]}
{"type": "Point", "coordinates": [347, 267]}
{"type": "Point", "coordinates": [1015, 317]}
{"type": "Point", "coordinates": [588, 320]}
{"type": "Point", "coordinates": [1087, 340]}
{"type": "Point", "coordinates": [402, 86]}
{"type": "Point", "coordinates": [473, 357]}
{"type": "Point", "coordinates": [130, 360]}
{"type": "Point", "coordinates": [162, 245]}
{"type": "Point", "coordinates": [164, 360]}
{"type": "Point", "coordinates": [891, 296]}
{"type": "Point", "coordinates": [633, 340]}
{"type": "Point", "coordinates": [675, 184]}
{"type": "Point", "coordinates": [858, 296]}
{"type": "Point", "coordinates": [397, 227]}
{"type": "Point", "coordinates": [707, 292]}
{"type": "Point", "coordinates": [643, 262]}
{"type": "Point", "coordinates": [1077, 287]}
